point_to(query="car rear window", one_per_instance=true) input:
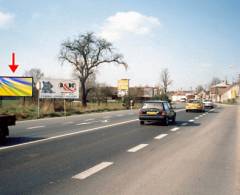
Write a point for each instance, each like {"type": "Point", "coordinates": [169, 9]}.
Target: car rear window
{"type": "Point", "coordinates": [194, 101]}
{"type": "Point", "coordinates": [153, 105]}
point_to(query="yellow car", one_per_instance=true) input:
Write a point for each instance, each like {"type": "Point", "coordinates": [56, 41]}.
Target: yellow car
{"type": "Point", "coordinates": [194, 105]}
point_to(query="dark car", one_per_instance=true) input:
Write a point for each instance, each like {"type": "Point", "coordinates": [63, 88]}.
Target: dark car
{"type": "Point", "coordinates": [158, 111]}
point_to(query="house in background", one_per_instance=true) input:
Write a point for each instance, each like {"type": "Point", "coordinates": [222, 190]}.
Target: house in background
{"type": "Point", "coordinates": [203, 95]}
{"type": "Point", "coordinates": [232, 93]}
{"type": "Point", "coordinates": [181, 95]}
{"type": "Point", "coordinates": [216, 91]}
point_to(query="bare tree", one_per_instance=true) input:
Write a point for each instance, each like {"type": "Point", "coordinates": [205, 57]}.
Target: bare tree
{"type": "Point", "coordinates": [165, 80]}
{"type": "Point", "coordinates": [199, 88]}
{"type": "Point", "coordinates": [215, 81]}
{"type": "Point", "coordinates": [36, 73]}
{"type": "Point", "coordinates": [85, 54]}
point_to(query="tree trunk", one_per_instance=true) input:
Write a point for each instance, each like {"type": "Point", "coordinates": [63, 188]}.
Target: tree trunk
{"type": "Point", "coordinates": [84, 95]}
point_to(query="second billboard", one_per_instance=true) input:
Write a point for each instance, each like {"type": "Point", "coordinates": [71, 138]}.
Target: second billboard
{"type": "Point", "coordinates": [59, 88]}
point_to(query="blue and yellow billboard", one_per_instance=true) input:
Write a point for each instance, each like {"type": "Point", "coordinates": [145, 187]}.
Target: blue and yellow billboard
{"type": "Point", "coordinates": [16, 86]}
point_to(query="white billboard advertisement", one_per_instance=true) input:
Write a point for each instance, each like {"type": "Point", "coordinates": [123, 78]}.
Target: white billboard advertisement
{"type": "Point", "coordinates": [59, 88]}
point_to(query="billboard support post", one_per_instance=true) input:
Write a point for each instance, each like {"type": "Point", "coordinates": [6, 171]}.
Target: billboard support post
{"type": "Point", "coordinates": [38, 99]}
{"type": "Point", "coordinates": [65, 110]}
{"type": "Point", "coordinates": [38, 109]}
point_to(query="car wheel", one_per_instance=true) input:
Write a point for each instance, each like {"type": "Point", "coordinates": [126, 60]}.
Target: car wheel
{"type": "Point", "coordinates": [141, 122]}
{"type": "Point", "coordinates": [166, 121]}
{"type": "Point", "coordinates": [174, 120]}
{"type": "Point", "coordinates": [2, 135]}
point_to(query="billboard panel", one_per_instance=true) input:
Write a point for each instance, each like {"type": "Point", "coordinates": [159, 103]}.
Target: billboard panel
{"type": "Point", "coordinates": [16, 86]}
{"type": "Point", "coordinates": [59, 88]}
{"type": "Point", "coordinates": [123, 87]}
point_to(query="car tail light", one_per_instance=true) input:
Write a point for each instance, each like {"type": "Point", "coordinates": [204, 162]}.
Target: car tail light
{"type": "Point", "coordinates": [163, 113]}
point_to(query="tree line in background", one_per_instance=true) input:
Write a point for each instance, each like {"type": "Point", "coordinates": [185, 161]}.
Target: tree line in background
{"type": "Point", "coordinates": [85, 54]}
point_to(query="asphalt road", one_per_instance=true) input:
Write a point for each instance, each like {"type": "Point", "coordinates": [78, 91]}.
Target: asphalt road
{"type": "Point", "coordinates": [110, 153]}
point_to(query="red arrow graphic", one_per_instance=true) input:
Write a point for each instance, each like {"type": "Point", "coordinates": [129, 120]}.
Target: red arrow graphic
{"type": "Point", "coordinates": [13, 66]}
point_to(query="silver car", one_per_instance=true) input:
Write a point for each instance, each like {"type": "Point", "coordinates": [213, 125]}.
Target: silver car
{"type": "Point", "coordinates": [208, 104]}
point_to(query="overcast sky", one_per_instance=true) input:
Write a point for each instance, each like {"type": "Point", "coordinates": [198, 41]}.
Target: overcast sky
{"type": "Point", "coordinates": [196, 40]}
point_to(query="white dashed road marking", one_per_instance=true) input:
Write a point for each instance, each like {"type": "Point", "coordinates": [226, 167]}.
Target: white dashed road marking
{"type": "Point", "coordinates": [197, 118]}
{"type": "Point", "coordinates": [160, 136]}
{"type": "Point", "coordinates": [137, 148]}
{"type": "Point", "coordinates": [191, 120]}
{"type": "Point", "coordinates": [175, 129]}
{"type": "Point", "coordinates": [79, 124]}
{"type": "Point", "coordinates": [184, 124]}
{"type": "Point", "coordinates": [93, 170]}
{"type": "Point", "coordinates": [36, 127]}
{"type": "Point", "coordinates": [104, 121]}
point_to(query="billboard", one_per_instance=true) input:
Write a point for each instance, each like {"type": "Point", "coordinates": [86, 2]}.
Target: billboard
{"type": "Point", "coordinates": [123, 87]}
{"type": "Point", "coordinates": [59, 88]}
{"type": "Point", "coordinates": [16, 86]}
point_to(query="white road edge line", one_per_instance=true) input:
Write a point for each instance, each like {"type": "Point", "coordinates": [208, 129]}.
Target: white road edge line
{"type": "Point", "coordinates": [160, 136]}
{"type": "Point", "coordinates": [137, 148]}
{"type": "Point", "coordinates": [175, 129]}
{"type": "Point", "coordinates": [36, 127]}
{"type": "Point", "coordinates": [68, 134]}
{"type": "Point", "coordinates": [93, 170]}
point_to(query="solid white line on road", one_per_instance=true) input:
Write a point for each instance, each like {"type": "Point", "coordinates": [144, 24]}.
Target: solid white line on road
{"type": "Point", "coordinates": [36, 127]}
{"type": "Point", "coordinates": [90, 119]}
{"type": "Point", "coordinates": [93, 170]}
{"type": "Point", "coordinates": [137, 148]}
{"type": "Point", "coordinates": [184, 124]}
{"type": "Point", "coordinates": [160, 136]}
{"type": "Point", "coordinates": [175, 129]}
{"type": "Point", "coordinates": [69, 134]}
{"type": "Point", "coordinates": [179, 110]}
{"type": "Point", "coordinates": [191, 120]}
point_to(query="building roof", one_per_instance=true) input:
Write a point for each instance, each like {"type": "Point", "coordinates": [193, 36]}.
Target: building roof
{"type": "Point", "coordinates": [223, 84]}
